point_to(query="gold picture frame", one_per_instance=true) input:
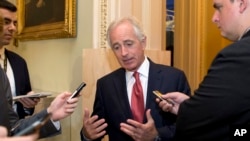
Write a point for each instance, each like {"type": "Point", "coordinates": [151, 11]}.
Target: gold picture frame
{"type": "Point", "coordinates": [36, 29]}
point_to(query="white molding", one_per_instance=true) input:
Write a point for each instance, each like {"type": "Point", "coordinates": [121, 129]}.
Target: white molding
{"type": "Point", "coordinates": [146, 20]}
{"type": "Point", "coordinates": [96, 26]}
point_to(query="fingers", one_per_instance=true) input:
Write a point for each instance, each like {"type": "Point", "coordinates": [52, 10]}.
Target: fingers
{"type": "Point", "coordinates": [3, 131]}
{"type": "Point", "coordinates": [92, 127]}
{"type": "Point", "coordinates": [133, 129]}
{"type": "Point", "coordinates": [60, 108]}
{"type": "Point", "coordinates": [165, 106]}
{"type": "Point", "coordinates": [72, 99]}
{"type": "Point", "coordinates": [128, 129]}
{"type": "Point", "coordinates": [177, 97]}
{"type": "Point", "coordinates": [28, 103]}
{"type": "Point", "coordinates": [71, 105]}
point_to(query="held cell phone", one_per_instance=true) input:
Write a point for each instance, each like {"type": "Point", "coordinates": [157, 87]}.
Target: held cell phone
{"type": "Point", "coordinates": [35, 126]}
{"type": "Point", "coordinates": [159, 95]}
{"type": "Point", "coordinates": [78, 90]}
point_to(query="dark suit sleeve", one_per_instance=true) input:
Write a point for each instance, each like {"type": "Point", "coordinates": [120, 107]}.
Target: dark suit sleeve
{"type": "Point", "coordinates": [222, 97]}
{"type": "Point", "coordinates": [46, 131]}
{"type": "Point", "coordinates": [11, 120]}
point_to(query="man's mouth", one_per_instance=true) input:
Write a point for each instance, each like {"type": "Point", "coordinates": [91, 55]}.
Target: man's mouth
{"type": "Point", "coordinates": [8, 36]}
{"type": "Point", "coordinates": [126, 61]}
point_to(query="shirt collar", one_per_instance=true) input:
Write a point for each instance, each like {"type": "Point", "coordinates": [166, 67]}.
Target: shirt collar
{"type": "Point", "coordinates": [246, 31]}
{"type": "Point", "coordinates": [142, 70]}
{"type": "Point", "coordinates": [2, 54]}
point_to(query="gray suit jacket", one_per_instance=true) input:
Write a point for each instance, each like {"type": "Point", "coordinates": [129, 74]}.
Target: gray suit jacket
{"type": "Point", "coordinates": [10, 119]}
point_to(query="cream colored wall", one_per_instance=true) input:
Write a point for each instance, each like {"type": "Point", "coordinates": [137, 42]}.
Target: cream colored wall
{"type": "Point", "coordinates": [56, 65]}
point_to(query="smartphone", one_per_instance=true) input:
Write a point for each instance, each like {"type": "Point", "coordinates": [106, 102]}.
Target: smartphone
{"type": "Point", "coordinates": [34, 126]}
{"type": "Point", "coordinates": [159, 95]}
{"type": "Point", "coordinates": [78, 90]}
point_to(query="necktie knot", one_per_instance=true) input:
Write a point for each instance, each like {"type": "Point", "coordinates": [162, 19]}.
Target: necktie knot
{"type": "Point", "coordinates": [136, 76]}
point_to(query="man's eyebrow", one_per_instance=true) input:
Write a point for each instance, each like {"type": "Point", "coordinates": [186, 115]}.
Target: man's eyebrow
{"type": "Point", "coordinates": [217, 6]}
{"type": "Point", "coordinates": [7, 19]}
{"type": "Point", "coordinates": [128, 41]}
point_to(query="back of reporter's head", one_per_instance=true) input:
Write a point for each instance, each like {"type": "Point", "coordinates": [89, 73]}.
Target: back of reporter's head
{"type": "Point", "coordinates": [4, 4]}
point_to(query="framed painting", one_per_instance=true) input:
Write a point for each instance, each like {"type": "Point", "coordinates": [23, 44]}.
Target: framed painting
{"type": "Point", "coordinates": [46, 19]}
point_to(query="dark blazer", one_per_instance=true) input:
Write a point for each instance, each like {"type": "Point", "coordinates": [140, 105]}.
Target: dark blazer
{"type": "Point", "coordinates": [22, 80]}
{"type": "Point", "coordinates": [222, 101]}
{"type": "Point", "coordinates": [111, 102]}
{"type": "Point", "coordinates": [9, 118]}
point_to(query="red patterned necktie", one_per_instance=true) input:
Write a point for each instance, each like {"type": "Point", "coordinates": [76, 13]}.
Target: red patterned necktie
{"type": "Point", "coordinates": [137, 102]}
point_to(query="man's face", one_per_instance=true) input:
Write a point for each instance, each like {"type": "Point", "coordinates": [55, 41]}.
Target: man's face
{"type": "Point", "coordinates": [128, 50]}
{"type": "Point", "coordinates": [9, 27]}
{"type": "Point", "coordinates": [226, 17]}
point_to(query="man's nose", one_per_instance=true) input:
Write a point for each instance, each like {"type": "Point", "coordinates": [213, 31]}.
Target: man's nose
{"type": "Point", "coordinates": [124, 51]}
{"type": "Point", "coordinates": [12, 27]}
{"type": "Point", "coordinates": [215, 18]}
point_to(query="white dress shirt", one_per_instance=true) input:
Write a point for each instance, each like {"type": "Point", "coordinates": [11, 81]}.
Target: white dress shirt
{"type": "Point", "coordinates": [130, 80]}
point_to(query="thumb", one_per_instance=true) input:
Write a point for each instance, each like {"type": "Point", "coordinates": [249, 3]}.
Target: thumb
{"type": "Point", "coordinates": [148, 115]}
{"type": "Point", "coordinates": [86, 114]}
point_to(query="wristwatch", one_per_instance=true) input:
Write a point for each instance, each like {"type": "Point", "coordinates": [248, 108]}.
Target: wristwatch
{"type": "Point", "coordinates": [157, 138]}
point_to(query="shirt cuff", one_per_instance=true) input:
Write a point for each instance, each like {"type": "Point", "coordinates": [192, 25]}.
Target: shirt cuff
{"type": "Point", "coordinates": [56, 124]}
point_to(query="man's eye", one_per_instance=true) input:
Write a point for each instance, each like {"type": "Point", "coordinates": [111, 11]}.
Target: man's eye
{"type": "Point", "coordinates": [129, 44]}
{"type": "Point", "coordinates": [217, 7]}
{"type": "Point", "coordinates": [15, 24]}
{"type": "Point", "coordinates": [6, 22]}
{"type": "Point", "coordinates": [116, 47]}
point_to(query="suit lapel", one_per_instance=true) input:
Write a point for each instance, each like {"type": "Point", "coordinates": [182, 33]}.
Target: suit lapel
{"type": "Point", "coordinates": [154, 82]}
{"type": "Point", "coordinates": [121, 92]}
{"type": "Point", "coordinates": [15, 69]}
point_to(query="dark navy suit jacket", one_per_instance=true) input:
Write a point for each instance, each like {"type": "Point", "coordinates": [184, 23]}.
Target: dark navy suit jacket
{"type": "Point", "coordinates": [22, 80]}
{"type": "Point", "coordinates": [222, 101]}
{"type": "Point", "coordinates": [111, 102]}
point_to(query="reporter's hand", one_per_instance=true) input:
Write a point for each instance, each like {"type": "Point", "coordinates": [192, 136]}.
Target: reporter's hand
{"type": "Point", "coordinates": [92, 127]}
{"type": "Point", "coordinates": [40, 3]}
{"type": "Point", "coordinates": [176, 97]}
{"type": "Point", "coordinates": [3, 136]}
{"type": "Point", "coordinates": [61, 107]}
{"type": "Point", "coordinates": [28, 102]}
{"type": "Point", "coordinates": [139, 131]}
